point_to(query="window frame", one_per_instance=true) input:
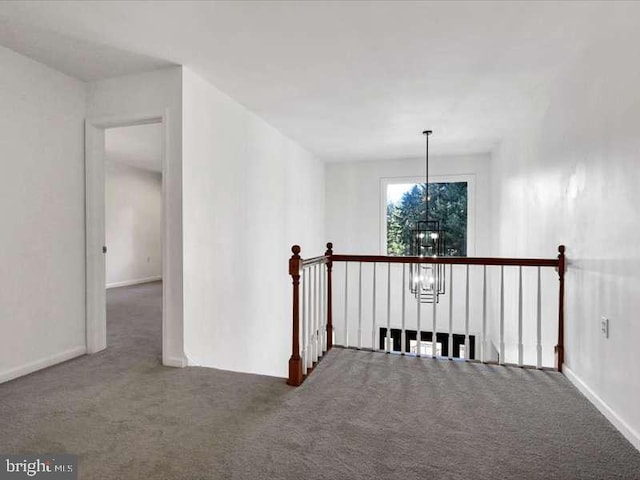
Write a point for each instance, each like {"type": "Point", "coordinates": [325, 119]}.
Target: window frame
{"type": "Point", "coordinates": [469, 178]}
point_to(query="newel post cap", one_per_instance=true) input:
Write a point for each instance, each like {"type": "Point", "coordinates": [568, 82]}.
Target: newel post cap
{"type": "Point", "coordinates": [329, 249]}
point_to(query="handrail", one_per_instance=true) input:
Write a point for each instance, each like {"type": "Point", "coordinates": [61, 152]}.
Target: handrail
{"type": "Point", "coordinates": [524, 262]}
{"type": "Point", "coordinates": [298, 265]}
{"type": "Point", "coordinates": [315, 260]}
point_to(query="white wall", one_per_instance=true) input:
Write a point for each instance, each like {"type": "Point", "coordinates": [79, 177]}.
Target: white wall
{"type": "Point", "coordinates": [42, 293]}
{"type": "Point", "coordinates": [156, 93]}
{"type": "Point", "coordinates": [354, 219]}
{"type": "Point", "coordinates": [133, 224]}
{"type": "Point", "coordinates": [572, 177]}
{"type": "Point", "coordinates": [354, 191]}
{"type": "Point", "coordinates": [249, 193]}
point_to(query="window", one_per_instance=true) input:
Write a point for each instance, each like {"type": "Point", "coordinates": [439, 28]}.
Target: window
{"type": "Point", "coordinates": [405, 204]}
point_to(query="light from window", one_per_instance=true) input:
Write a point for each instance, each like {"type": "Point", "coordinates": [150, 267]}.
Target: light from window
{"type": "Point", "coordinates": [406, 205]}
{"type": "Point", "coordinates": [425, 348]}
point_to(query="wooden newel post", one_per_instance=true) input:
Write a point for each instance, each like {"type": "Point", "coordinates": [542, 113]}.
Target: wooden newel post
{"type": "Point", "coordinates": [329, 253]}
{"type": "Point", "coordinates": [295, 362]}
{"type": "Point", "coordinates": [560, 345]}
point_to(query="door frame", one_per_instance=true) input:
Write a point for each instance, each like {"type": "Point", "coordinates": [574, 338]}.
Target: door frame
{"type": "Point", "coordinates": [96, 315]}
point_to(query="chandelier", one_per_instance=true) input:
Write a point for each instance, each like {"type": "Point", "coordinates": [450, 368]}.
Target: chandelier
{"type": "Point", "coordinates": [427, 240]}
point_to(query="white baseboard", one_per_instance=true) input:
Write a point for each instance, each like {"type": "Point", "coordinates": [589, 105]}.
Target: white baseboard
{"type": "Point", "coordinates": [137, 281]}
{"type": "Point", "coordinates": [42, 363]}
{"type": "Point", "coordinates": [174, 362]}
{"type": "Point", "coordinates": [622, 426]}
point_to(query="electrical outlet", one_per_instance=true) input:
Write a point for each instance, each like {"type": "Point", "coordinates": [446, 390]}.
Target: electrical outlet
{"type": "Point", "coordinates": [604, 326]}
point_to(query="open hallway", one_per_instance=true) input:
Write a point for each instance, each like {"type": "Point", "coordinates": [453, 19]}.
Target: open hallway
{"type": "Point", "coordinates": [125, 414]}
{"type": "Point", "coordinates": [360, 415]}
{"type": "Point", "coordinates": [206, 203]}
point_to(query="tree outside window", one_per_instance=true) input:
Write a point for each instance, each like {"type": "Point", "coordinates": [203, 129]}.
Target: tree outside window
{"type": "Point", "coordinates": [406, 206]}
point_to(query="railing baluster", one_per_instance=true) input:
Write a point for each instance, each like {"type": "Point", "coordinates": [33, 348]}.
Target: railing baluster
{"type": "Point", "coordinates": [312, 336]}
{"type": "Point", "coordinates": [483, 345]}
{"type": "Point", "coordinates": [434, 334]}
{"type": "Point", "coordinates": [466, 317]}
{"type": "Point", "coordinates": [539, 324]}
{"type": "Point", "coordinates": [316, 327]}
{"type": "Point", "coordinates": [346, 303]}
{"type": "Point", "coordinates": [360, 305]}
{"type": "Point", "coordinates": [403, 341]}
{"type": "Point", "coordinates": [419, 290]}
{"type": "Point", "coordinates": [450, 337]}
{"type": "Point", "coordinates": [321, 325]}
{"type": "Point", "coordinates": [323, 330]}
{"type": "Point", "coordinates": [373, 313]}
{"type": "Point", "coordinates": [304, 320]}
{"type": "Point", "coordinates": [312, 314]}
{"type": "Point", "coordinates": [309, 319]}
{"type": "Point", "coordinates": [520, 345]}
{"type": "Point", "coordinates": [388, 339]}
{"type": "Point", "coordinates": [502, 359]}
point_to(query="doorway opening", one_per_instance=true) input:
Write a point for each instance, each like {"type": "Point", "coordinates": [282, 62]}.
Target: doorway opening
{"type": "Point", "coordinates": [115, 147]}
{"type": "Point", "coordinates": [133, 236]}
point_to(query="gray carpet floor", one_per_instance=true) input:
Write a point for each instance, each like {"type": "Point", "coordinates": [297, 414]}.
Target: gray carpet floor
{"type": "Point", "coordinates": [360, 415]}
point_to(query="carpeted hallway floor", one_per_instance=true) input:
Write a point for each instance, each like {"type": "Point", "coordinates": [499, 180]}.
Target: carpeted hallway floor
{"type": "Point", "coordinates": [359, 416]}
